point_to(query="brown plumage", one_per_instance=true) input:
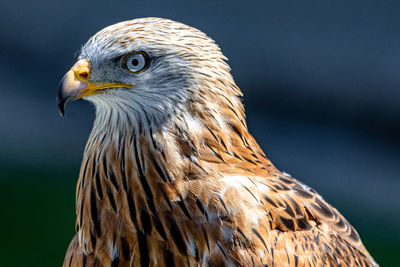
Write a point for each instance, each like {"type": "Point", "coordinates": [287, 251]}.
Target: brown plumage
{"type": "Point", "coordinates": [172, 177]}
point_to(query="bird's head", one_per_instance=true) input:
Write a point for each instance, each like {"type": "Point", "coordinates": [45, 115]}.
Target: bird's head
{"type": "Point", "coordinates": [149, 69]}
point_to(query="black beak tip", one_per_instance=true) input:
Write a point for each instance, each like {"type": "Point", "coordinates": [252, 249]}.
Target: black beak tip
{"type": "Point", "coordinates": [61, 106]}
{"type": "Point", "coordinates": [61, 98]}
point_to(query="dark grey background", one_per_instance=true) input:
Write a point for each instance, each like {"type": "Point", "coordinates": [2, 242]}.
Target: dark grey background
{"type": "Point", "coordinates": [321, 84]}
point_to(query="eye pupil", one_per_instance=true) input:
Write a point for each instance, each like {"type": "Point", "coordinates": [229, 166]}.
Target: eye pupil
{"type": "Point", "coordinates": [135, 62]}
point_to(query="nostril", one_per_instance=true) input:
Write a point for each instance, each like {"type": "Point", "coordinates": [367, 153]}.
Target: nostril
{"type": "Point", "coordinates": [84, 75]}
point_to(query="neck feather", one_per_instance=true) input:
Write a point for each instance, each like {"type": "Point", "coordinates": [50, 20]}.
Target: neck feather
{"type": "Point", "coordinates": [133, 171]}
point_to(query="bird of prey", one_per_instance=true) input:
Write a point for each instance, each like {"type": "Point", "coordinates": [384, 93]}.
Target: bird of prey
{"type": "Point", "coordinates": [171, 175]}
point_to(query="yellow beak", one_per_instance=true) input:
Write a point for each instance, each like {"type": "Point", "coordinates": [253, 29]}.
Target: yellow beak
{"type": "Point", "coordinates": [76, 84]}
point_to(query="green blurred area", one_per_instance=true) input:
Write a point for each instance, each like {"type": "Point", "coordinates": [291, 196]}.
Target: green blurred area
{"type": "Point", "coordinates": [39, 217]}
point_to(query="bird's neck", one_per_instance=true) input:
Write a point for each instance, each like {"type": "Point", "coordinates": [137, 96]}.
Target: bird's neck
{"type": "Point", "coordinates": [129, 175]}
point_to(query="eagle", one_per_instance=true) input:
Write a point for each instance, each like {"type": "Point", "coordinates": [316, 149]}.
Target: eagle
{"type": "Point", "coordinates": [170, 174]}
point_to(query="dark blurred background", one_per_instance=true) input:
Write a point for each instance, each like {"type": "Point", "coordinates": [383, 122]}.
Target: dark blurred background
{"type": "Point", "coordinates": [321, 81]}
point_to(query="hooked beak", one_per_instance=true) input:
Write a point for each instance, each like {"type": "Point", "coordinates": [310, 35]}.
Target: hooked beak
{"type": "Point", "coordinates": [75, 84]}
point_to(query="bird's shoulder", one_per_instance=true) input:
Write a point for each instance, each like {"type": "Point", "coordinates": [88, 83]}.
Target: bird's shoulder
{"type": "Point", "coordinates": [283, 218]}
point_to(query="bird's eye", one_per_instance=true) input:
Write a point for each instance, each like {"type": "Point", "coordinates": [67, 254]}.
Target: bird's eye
{"type": "Point", "coordinates": [136, 62]}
